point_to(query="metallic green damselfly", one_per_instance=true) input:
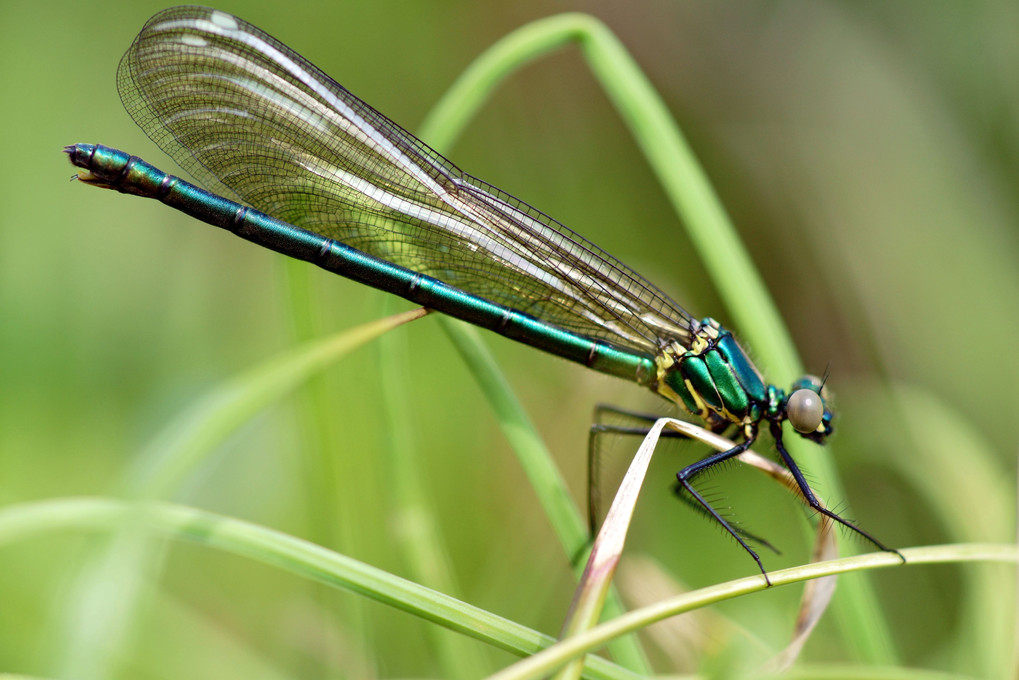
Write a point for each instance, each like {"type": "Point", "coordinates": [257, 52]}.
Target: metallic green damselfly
{"type": "Point", "coordinates": [319, 175]}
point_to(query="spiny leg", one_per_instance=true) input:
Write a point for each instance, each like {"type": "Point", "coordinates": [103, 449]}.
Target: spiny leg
{"type": "Point", "coordinates": [690, 471]}
{"type": "Point", "coordinates": [808, 494]}
{"type": "Point", "coordinates": [643, 421]}
{"type": "Point", "coordinates": [694, 505]}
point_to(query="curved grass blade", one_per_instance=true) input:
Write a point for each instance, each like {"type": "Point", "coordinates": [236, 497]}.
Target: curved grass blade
{"type": "Point", "coordinates": [415, 525]}
{"type": "Point", "coordinates": [294, 555]}
{"type": "Point", "coordinates": [119, 565]}
{"type": "Point", "coordinates": [685, 182]}
{"type": "Point", "coordinates": [188, 439]}
{"type": "Point", "coordinates": [608, 546]}
{"type": "Point", "coordinates": [549, 660]}
{"type": "Point", "coordinates": [596, 581]}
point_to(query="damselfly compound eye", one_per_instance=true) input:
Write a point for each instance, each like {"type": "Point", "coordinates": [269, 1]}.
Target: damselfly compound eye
{"type": "Point", "coordinates": [805, 410]}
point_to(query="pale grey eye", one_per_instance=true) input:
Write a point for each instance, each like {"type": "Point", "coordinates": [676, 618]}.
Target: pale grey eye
{"type": "Point", "coordinates": [805, 410]}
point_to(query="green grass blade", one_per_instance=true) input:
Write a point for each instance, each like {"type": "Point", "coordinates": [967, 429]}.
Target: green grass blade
{"type": "Point", "coordinates": [534, 456]}
{"type": "Point", "coordinates": [443, 124]}
{"type": "Point", "coordinates": [416, 529]}
{"type": "Point", "coordinates": [543, 663]}
{"type": "Point", "coordinates": [974, 501]}
{"type": "Point", "coordinates": [710, 229]}
{"type": "Point", "coordinates": [607, 549]}
{"type": "Point", "coordinates": [294, 555]}
{"type": "Point", "coordinates": [191, 438]}
{"type": "Point", "coordinates": [121, 564]}
{"type": "Point", "coordinates": [654, 130]}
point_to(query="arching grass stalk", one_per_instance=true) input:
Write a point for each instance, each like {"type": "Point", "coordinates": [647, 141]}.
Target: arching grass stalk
{"type": "Point", "coordinates": [700, 211]}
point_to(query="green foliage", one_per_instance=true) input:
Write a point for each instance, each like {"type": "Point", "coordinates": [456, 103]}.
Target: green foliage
{"type": "Point", "coordinates": [865, 155]}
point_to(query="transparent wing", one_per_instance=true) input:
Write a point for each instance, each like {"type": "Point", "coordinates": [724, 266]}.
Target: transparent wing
{"type": "Point", "coordinates": [250, 118]}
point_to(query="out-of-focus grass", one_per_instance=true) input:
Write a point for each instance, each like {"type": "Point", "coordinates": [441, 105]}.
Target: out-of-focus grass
{"type": "Point", "coordinates": [866, 154]}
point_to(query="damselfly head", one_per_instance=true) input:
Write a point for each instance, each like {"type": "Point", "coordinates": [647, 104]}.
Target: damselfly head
{"type": "Point", "coordinates": [807, 408]}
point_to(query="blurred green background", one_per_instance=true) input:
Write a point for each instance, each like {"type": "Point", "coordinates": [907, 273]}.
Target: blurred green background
{"type": "Point", "coordinates": [868, 154]}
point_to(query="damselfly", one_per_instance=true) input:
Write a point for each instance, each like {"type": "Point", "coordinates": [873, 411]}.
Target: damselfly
{"type": "Point", "coordinates": [323, 177]}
